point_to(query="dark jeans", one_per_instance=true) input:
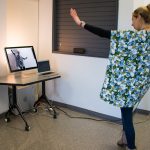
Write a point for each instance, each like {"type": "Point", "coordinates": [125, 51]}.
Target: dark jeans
{"type": "Point", "coordinates": [127, 121]}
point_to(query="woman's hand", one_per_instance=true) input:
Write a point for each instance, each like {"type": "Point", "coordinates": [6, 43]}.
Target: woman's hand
{"type": "Point", "coordinates": [75, 16]}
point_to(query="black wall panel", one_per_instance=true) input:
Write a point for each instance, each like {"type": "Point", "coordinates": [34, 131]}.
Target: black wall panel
{"type": "Point", "coordinates": [67, 35]}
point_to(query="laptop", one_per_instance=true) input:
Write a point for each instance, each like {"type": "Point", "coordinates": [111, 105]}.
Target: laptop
{"type": "Point", "coordinates": [44, 67]}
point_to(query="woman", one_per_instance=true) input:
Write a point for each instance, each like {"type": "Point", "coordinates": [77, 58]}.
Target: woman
{"type": "Point", "coordinates": [19, 59]}
{"type": "Point", "coordinates": [140, 21]}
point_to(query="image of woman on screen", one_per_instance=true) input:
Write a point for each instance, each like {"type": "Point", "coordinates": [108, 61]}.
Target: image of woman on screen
{"type": "Point", "coordinates": [19, 59]}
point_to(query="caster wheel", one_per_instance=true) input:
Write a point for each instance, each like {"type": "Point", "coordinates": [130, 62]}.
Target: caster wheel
{"type": "Point", "coordinates": [34, 110]}
{"type": "Point", "coordinates": [54, 116]}
{"type": "Point", "coordinates": [7, 119]}
{"type": "Point", "coordinates": [27, 128]}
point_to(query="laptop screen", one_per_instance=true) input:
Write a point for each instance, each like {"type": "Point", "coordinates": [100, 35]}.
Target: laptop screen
{"type": "Point", "coordinates": [43, 66]}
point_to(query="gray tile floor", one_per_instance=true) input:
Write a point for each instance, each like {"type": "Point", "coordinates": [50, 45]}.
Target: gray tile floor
{"type": "Point", "coordinates": [65, 133]}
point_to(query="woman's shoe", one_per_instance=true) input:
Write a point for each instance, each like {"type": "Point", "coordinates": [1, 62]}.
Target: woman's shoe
{"type": "Point", "coordinates": [123, 141]}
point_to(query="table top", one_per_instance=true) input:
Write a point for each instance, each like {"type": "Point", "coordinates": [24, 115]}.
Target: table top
{"type": "Point", "coordinates": [27, 79]}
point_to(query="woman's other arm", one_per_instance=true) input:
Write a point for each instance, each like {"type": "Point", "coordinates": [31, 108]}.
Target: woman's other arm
{"type": "Point", "coordinates": [98, 31]}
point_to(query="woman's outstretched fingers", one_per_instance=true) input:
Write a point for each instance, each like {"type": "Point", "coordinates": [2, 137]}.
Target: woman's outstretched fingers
{"type": "Point", "coordinates": [75, 16]}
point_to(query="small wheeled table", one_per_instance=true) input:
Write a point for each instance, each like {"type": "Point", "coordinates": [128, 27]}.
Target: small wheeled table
{"type": "Point", "coordinates": [25, 80]}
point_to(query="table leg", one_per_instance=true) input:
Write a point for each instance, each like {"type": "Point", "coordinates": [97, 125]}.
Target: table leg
{"type": "Point", "coordinates": [45, 99]}
{"type": "Point", "coordinates": [13, 105]}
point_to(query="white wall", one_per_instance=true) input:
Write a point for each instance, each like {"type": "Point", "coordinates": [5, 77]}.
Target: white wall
{"type": "Point", "coordinates": [125, 14]}
{"type": "Point", "coordinates": [18, 27]}
{"type": "Point", "coordinates": [81, 77]}
{"type": "Point", "coordinates": [81, 81]}
{"type": "Point", "coordinates": [45, 29]}
{"type": "Point", "coordinates": [3, 70]}
{"type": "Point", "coordinates": [138, 3]}
{"type": "Point", "coordinates": [22, 23]}
{"type": "Point", "coordinates": [3, 66]}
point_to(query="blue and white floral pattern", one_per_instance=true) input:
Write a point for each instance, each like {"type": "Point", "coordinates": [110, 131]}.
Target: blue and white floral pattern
{"type": "Point", "coordinates": [128, 72]}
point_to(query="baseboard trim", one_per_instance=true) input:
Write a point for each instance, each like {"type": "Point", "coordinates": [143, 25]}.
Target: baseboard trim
{"type": "Point", "coordinates": [141, 111]}
{"type": "Point", "coordinates": [96, 114]}
{"type": "Point", "coordinates": [89, 112]}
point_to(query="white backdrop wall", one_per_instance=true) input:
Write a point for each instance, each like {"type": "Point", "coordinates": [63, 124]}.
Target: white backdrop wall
{"type": "Point", "coordinates": [18, 27]}
{"type": "Point", "coordinates": [22, 23]}
{"type": "Point", "coordinates": [3, 70]}
{"type": "Point", "coordinates": [3, 66]}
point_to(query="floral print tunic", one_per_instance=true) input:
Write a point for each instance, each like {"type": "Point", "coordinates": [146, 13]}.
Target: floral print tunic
{"type": "Point", "coordinates": [128, 72]}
